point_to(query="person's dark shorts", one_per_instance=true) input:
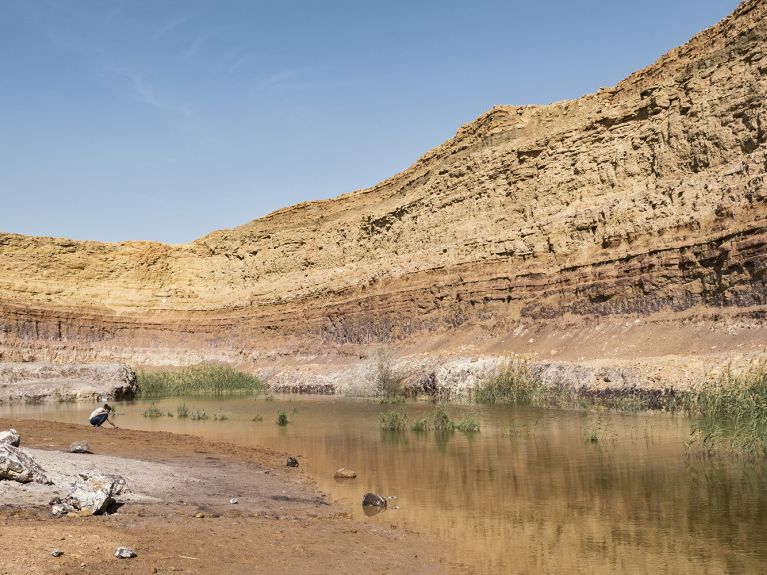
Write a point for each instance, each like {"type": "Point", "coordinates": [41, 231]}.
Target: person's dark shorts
{"type": "Point", "coordinates": [99, 419]}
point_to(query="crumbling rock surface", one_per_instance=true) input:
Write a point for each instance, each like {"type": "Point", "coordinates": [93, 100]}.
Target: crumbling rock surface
{"type": "Point", "coordinates": [10, 437]}
{"type": "Point", "coordinates": [90, 494]}
{"type": "Point", "coordinates": [641, 199]}
{"type": "Point", "coordinates": [16, 465]}
{"type": "Point", "coordinates": [65, 382]}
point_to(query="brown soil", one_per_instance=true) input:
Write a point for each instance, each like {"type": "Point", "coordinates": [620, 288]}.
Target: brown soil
{"type": "Point", "coordinates": [281, 524]}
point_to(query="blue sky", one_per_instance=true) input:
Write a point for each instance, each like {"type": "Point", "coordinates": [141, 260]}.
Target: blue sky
{"type": "Point", "coordinates": [166, 119]}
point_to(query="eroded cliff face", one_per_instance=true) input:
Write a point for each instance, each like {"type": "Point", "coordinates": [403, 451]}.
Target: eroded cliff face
{"type": "Point", "coordinates": [645, 200]}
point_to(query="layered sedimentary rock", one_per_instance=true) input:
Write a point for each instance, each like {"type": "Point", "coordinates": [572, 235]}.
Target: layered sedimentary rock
{"type": "Point", "coordinates": [644, 199]}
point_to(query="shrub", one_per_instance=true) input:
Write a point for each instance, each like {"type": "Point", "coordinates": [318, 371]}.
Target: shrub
{"type": "Point", "coordinates": [387, 379]}
{"type": "Point", "coordinates": [282, 418]}
{"type": "Point", "coordinates": [511, 383]}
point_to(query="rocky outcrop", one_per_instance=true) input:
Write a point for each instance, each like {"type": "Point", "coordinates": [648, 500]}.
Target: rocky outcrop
{"type": "Point", "coordinates": [15, 465]}
{"type": "Point", "coordinates": [10, 437]}
{"type": "Point", "coordinates": [90, 495]}
{"type": "Point", "coordinates": [644, 200]}
{"type": "Point", "coordinates": [45, 381]}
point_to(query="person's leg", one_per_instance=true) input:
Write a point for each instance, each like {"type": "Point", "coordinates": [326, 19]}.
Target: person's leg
{"type": "Point", "coordinates": [99, 419]}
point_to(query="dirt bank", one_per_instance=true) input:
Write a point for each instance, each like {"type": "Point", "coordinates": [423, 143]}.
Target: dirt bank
{"type": "Point", "coordinates": [281, 522]}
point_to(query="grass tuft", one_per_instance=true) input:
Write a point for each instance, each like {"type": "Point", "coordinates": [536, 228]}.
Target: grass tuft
{"type": "Point", "coordinates": [730, 414]}
{"type": "Point", "coordinates": [394, 421]}
{"type": "Point", "coordinates": [153, 412]}
{"type": "Point", "coordinates": [198, 415]}
{"type": "Point", "coordinates": [441, 421]}
{"type": "Point", "coordinates": [468, 424]}
{"type": "Point", "coordinates": [514, 383]}
{"type": "Point", "coordinates": [420, 426]}
{"type": "Point", "coordinates": [282, 418]}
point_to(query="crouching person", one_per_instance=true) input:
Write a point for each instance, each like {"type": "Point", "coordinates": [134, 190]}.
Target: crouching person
{"type": "Point", "coordinates": [100, 415]}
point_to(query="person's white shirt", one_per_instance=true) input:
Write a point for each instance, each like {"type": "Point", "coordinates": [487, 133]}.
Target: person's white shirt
{"type": "Point", "coordinates": [96, 412]}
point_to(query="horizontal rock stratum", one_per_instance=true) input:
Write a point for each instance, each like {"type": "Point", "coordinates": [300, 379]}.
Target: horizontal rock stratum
{"type": "Point", "coordinates": [643, 201]}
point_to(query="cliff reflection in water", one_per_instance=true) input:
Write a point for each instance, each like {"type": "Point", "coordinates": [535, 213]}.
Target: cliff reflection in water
{"type": "Point", "coordinates": [530, 493]}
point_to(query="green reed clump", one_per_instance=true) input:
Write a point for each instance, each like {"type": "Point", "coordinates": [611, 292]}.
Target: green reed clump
{"type": "Point", "coordinates": [203, 379]}
{"type": "Point", "coordinates": [153, 412]}
{"type": "Point", "coordinates": [441, 421]}
{"type": "Point", "coordinates": [468, 424]}
{"type": "Point", "coordinates": [731, 394]}
{"type": "Point", "coordinates": [282, 418]}
{"type": "Point", "coordinates": [420, 426]}
{"type": "Point", "coordinates": [394, 421]}
{"type": "Point", "coordinates": [257, 418]}
{"type": "Point", "coordinates": [220, 416]}
{"type": "Point", "coordinates": [730, 414]}
{"type": "Point", "coordinates": [511, 383]}
{"type": "Point", "coordinates": [182, 411]}
{"type": "Point", "coordinates": [198, 415]}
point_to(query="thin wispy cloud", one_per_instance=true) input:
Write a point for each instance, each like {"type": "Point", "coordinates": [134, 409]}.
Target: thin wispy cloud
{"type": "Point", "coordinates": [280, 80]}
{"type": "Point", "coordinates": [168, 28]}
{"type": "Point", "coordinates": [233, 59]}
{"type": "Point", "coordinates": [198, 44]}
{"type": "Point", "coordinates": [144, 92]}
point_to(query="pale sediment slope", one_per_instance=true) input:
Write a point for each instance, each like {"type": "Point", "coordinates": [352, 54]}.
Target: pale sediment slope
{"type": "Point", "coordinates": [644, 201]}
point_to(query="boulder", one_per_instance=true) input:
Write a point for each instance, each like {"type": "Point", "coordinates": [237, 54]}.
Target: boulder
{"type": "Point", "coordinates": [10, 437]}
{"type": "Point", "coordinates": [80, 447]}
{"type": "Point", "coordinates": [92, 494]}
{"type": "Point", "coordinates": [344, 473]}
{"type": "Point", "coordinates": [373, 500]}
{"type": "Point", "coordinates": [292, 462]}
{"type": "Point", "coordinates": [18, 466]}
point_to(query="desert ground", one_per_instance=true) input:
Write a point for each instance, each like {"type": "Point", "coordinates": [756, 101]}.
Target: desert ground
{"type": "Point", "coordinates": [177, 513]}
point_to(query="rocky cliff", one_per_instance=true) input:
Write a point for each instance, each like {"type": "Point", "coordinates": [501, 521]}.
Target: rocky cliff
{"type": "Point", "coordinates": [641, 205]}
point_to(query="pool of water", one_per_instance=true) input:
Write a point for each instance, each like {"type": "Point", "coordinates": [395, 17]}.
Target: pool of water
{"type": "Point", "coordinates": [530, 493]}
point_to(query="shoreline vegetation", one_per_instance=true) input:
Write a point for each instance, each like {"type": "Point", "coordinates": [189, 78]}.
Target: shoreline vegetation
{"type": "Point", "coordinates": [201, 379]}
{"type": "Point", "coordinates": [728, 414]}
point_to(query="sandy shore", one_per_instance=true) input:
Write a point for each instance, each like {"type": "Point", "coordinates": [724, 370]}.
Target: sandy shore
{"type": "Point", "coordinates": [280, 524]}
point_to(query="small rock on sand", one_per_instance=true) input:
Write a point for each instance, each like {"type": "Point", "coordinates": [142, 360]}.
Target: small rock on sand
{"type": "Point", "coordinates": [344, 473]}
{"type": "Point", "coordinates": [292, 462]}
{"type": "Point", "coordinates": [125, 553]}
{"type": "Point", "coordinates": [80, 447]}
{"type": "Point", "coordinates": [57, 553]}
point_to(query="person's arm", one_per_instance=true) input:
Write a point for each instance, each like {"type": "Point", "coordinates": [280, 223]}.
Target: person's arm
{"type": "Point", "coordinates": [112, 424]}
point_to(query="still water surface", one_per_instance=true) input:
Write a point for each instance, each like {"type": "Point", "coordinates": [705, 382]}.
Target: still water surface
{"type": "Point", "coordinates": [528, 494]}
